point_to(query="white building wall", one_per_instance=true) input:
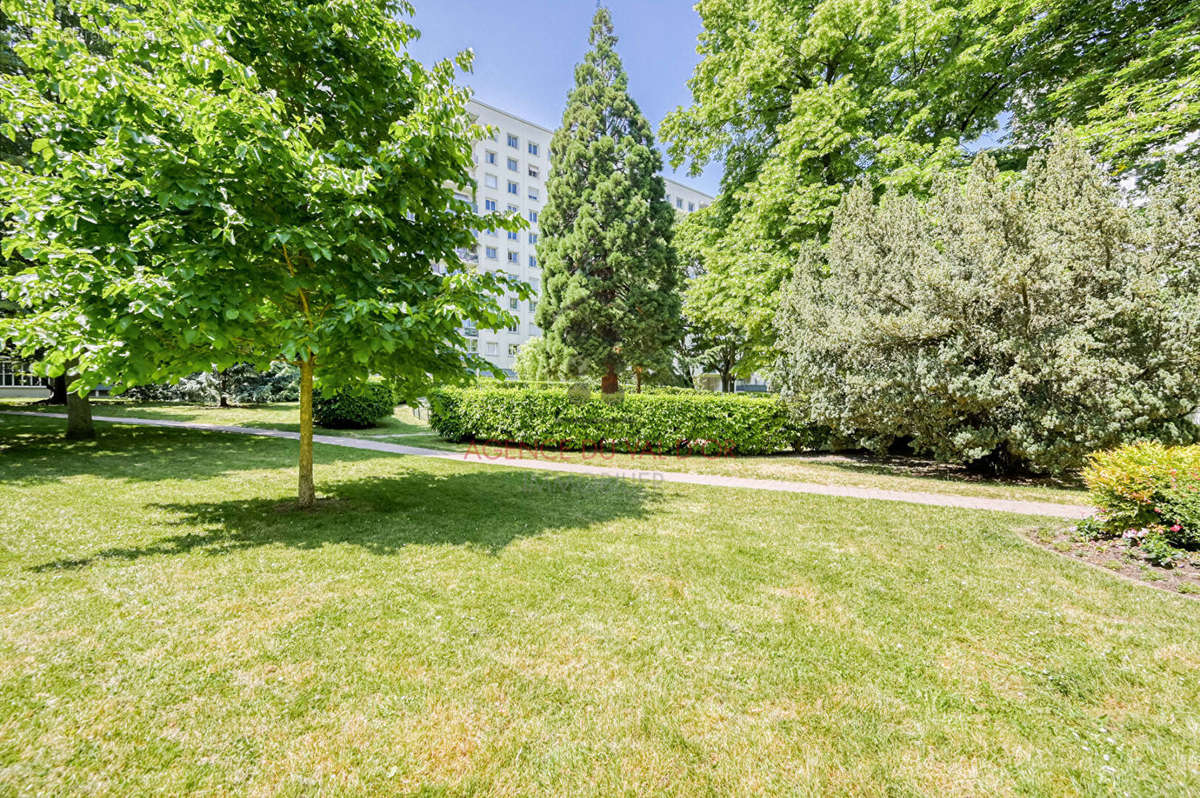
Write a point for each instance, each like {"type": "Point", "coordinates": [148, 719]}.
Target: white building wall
{"type": "Point", "coordinates": [510, 174]}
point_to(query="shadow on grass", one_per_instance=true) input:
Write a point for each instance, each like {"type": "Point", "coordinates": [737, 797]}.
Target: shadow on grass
{"type": "Point", "coordinates": [34, 451]}
{"type": "Point", "coordinates": [485, 510]}
{"type": "Point", "coordinates": [921, 468]}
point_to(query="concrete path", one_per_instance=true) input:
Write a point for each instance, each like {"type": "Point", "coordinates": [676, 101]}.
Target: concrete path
{"type": "Point", "coordinates": [912, 497]}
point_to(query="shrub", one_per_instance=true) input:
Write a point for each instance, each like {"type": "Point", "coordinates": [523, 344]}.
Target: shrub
{"type": "Point", "coordinates": [658, 422]}
{"type": "Point", "coordinates": [1148, 486]}
{"type": "Point", "coordinates": [355, 408]}
{"type": "Point", "coordinates": [1009, 324]}
{"type": "Point", "coordinates": [241, 384]}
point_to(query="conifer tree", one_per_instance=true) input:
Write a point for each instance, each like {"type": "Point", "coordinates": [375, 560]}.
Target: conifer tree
{"type": "Point", "coordinates": [611, 299]}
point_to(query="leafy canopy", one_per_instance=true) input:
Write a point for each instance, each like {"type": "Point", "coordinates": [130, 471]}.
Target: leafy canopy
{"type": "Point", "coordinates": [799, 100]}
{"type": "Point", "coordinates": [223, 181]}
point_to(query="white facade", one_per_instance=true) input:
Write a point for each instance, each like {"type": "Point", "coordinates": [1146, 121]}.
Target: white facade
{"type": "Point", "coordinates": [510, 175]}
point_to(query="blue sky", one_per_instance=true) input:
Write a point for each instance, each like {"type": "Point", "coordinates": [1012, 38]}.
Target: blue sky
{"type": "Point", "coordinates": [526, 52]}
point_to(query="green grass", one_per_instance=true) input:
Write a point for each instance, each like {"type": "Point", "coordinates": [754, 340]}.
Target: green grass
{"type": "Point", "coordinates": [170, 625]}
{"type": "Point", "coordinates": [906, 474]}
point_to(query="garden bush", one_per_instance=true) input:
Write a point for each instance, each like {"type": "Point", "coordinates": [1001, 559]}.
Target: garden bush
{"type": "Point", "coordinates": [1009, 323]}
{"type": "Point", "coordinates": [659, 422]}
{"type": "Point", "coordinates": [355, 408]}
{"type": "Point", "coordinates": [1150, 488]}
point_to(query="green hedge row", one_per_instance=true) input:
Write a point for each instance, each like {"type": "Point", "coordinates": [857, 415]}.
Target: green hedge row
{"type": "Point", "coordinates": [700, 423]}
{"type": "Point", "coordinates": [355, 408]}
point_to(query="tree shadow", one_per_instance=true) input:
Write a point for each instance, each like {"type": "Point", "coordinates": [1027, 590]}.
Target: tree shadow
{"type": "Point", "coordinates": [34, 451]}
{"type": "Point", "coordinates": [864, 462]}
{"type": "Point", "coordinates": [485, 510]}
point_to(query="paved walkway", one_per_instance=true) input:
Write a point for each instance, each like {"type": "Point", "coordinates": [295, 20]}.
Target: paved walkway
{"type": "Point", "coordinates": [785, 486]}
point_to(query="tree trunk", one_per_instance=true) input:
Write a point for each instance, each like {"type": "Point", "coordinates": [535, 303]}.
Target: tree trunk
{"type": "Point", "coordinates": [726, 382]}
{"type": "Point", "coordinates": [307, 494]}
{"type": "Point", "coordinates": [637, 373]}
{"type": "Point", "coordinates": [222, 397]}
{"type": "Point", "coordinates": [79, 418]}
{"type": "Point", "coordinates": [58, 390]}
{"type": "Point", "coordinates": [609, 383]}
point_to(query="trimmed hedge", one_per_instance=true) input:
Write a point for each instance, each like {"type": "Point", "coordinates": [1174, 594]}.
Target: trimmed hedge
{"type": "Point", "coordinates": [1148, 487]}
{"type": "Point", "coordinates": [700, 423]}
{"type": "Point", "coordinates": [356, 408]}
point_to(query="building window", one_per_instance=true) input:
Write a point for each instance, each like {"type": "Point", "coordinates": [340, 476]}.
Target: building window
{"type": "Point", "coordinates": [533, 148]}
{"type": "Point", "coordinates": [532, 305]}
{"type": "Point", "coordinates": [492, 347]}
{"type": "Point", "coordinates": [513, 141]}
{"type": "Point", "coordinates": [533, 193]}
{"type": "Point", "coordinates": [515, 327]}
{"type": "Point", "coordinates": [490, 252]}
{"type": "Point", "coordinates": [473, 346]}
{"type": "Point", "coordinates": [691, 207]}
{"type": "Point", "coordinates": [533, 238]}
{"type": "Point", "coordinates": [513, 188]}
{"type": "Point", "coordinates": [513, 166]}
{"type": "Point", "coordinates": [668, 199]}
{"type": "Point", "coordinates": [492, 233]}
{"type": "Point", "coordinates": [513, 235]}
{"type": "Point", "coordinates": [679, 203]}
{"type": "Point", "coordinates": [514, 257]}
{"type": "Point", "coordinates": [532, 262]}
{"type": "Point", "coordinates": [491, 181]}
{"type": "Point", "coordinates": [512, 208]}
{"type": "Point", "coordinates": [489, 205]}
{"type": "Point", "coordinates": [533, 329]}
{"type": "Point", "coordinates": [533, 285]}
{"type": "Point", "coordinates": [489, 157]}
{"type": "Point", "coordinates": [533, 217]}
{"type": "Point", "coordinates": [514, 303]}
{"type": "Point", "coordinates": [534, 171]}
{"type": "Point", "coordinates": [512, 350]}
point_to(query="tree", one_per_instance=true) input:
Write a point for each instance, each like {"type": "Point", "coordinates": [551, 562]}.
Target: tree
{"type": "Point", "coordinates": [15, 152]}
{"type": "Point", "coordinates": [1124, 74]}
{"type": "Point", "coordinates": [226, 182]}
{"type": "Point", "coordinates": [1002, 324]}
{"type": "Point", "coordinates": [534, 363]}
{"type": "Point", "coordinates": [800, 100]}
{"type": "Point", "coordinates": [715, 335]}
{"type": "Point", "coordinates": [611, 283]}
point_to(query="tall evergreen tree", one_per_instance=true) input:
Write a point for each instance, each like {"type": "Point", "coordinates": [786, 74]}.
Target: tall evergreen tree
{"type": "Point", "coordinates": [611, 297]}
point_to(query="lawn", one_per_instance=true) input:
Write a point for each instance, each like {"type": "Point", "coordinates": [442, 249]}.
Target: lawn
{"type": "Point", "coordinates": [908, 474]}
{"type": "Point", "coordinates": [440, 627]}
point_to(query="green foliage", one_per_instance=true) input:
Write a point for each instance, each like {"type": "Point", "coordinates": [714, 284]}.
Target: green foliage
{"type": "Point", "coordinates": [241, 385]}
{"type": "Point", "coordinates": [610, 298]}
{"type": "Point", "coordinates": [702, 424]}
{"type": "Point", "coordinates": [715, 336]}
{"type": "Point", "coordinates": [799, 101]}
{"type": "Point", "coordinates": [1124, 74]}
{"type": "Point", "coordinates": [356, 407]}
{"type": "Point", "coordinates": [262, 182]}
{"type": "Point", "coordinates": [1007, 324]}
{"type": "Point", "coordinates": [534, 363]}
{"type": "Point", "coordinates": [1158, 551]}
{"type": "Point", "coordinates": [1148, 485]}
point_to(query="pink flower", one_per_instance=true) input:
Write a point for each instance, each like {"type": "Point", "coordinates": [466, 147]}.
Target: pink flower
{"type": "Point", "coordinates": [1176, 528]}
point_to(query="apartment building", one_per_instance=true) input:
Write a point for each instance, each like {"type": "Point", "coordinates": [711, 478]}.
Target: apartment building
{"type": "Point", "coordinates": [510, 174]}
